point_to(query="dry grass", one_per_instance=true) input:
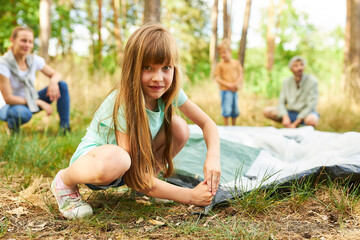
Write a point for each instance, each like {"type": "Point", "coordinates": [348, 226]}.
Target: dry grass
{"type": "Point", "coordinates": [28, 211]}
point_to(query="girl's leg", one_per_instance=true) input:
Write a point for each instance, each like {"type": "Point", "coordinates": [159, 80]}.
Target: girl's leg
{"type": "Point", "coordinates": [100, 166]}
{"type": "Point", "coordinates": [181, 133]}
{"type": "Point", "coordinates": [63, 104]}
{"type": "Point", "coordinates": [17, 115]}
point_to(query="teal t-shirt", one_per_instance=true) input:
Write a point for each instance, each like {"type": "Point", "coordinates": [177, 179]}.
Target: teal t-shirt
{"type": "Point", "coordinates": [101, 129]}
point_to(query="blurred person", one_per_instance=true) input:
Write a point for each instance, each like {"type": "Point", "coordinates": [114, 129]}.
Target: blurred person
{"type": "Point", "coordinates": [229, 76]}
{"type": "Point", "coordinates": [18, 69]}
{"type": "Point", "coordinates": [298, 98]}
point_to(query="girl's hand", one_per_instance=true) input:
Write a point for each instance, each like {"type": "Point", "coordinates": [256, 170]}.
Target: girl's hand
{"type": "Point", "coordinates": [45, 106]}
{"type": "Point", "coordinates": [201, 195]}
{"type": "Point", "coordinates": [212, 173]}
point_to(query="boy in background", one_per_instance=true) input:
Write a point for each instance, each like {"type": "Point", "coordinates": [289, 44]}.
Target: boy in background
{"type": "Point", "coordinates": [228, 75]}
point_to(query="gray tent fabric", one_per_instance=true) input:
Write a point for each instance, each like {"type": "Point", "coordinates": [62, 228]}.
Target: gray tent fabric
{"type": "Point", "coordinates": [261, 156]}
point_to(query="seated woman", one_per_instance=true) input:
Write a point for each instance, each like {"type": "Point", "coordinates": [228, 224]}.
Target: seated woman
{"type": "Point", "coordinates": [17, 77]}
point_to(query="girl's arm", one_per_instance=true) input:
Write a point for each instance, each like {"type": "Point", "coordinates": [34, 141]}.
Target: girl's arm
{"type": "Point", "coordinates": [212, 167]}
{"type": "Point", "coordinates": [53, 90]}
{"type": "Point", "coordinates": [199, 195]}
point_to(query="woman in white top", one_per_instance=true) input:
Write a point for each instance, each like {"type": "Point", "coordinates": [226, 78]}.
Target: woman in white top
{"type": "Point", "coordinates": [17, 77]}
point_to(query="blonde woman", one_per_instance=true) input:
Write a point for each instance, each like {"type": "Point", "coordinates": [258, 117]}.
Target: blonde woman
{"type": "Point", "coordinates": [135, 134]}
{"type": "Point", "coordinates": [17, 78]}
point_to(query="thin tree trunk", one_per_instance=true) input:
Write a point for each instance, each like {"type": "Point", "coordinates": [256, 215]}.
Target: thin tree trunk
{"type": "Point", "coordinates": [213, 40]}
{"type": "Point", "coordinates": [99, 29]}
{"type": "Point", "coordinates": [352, 71]}
{"type": "Point", "coordinates": [123, 13]}
{"type": "Point", "coordinates": [116, 8]}
{"type": "Point", "coordinates": [242, 46]}
{"type": "Point", "coordinates": [152, 11]}
{"type": "Point", "coordinates": [229, 18]}
{"type": "Point", "coordinates": [225, 20]}
{"type": "Point", "coordinates": [270, 37]}
{"type": "Point", "coordinates": [45, 27]}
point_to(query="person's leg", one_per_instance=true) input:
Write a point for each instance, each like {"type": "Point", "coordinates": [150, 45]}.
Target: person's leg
{"type": "Point", "coordinates": [226, 121]}
{"type": "Point", "coordinates": [226, 103]}
{"type": "Point", "coordinates": [100, 166]}
{"type": "Point", "coordinates": [271, 113]}
{"type": "Point", "coordinates": [235, 108]}
{"type": "Point", "coordinates": [312, 119]}
{"type": "Point", "coordinates": [17, 115]}
{"type": "Point", "coordinates": [181, 134]}
{"type": "Point", "coordinates": [63, 104]}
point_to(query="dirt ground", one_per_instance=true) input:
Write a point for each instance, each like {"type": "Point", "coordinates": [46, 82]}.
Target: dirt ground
{"type": "Point", "coordinates": [31, 214]}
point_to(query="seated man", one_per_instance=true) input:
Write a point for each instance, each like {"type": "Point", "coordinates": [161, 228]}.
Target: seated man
{"type": "Point", "coordinates": [298, 98]}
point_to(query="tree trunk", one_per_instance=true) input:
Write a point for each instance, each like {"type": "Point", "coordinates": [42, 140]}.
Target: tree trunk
{"type": "Point", "coordinates": [242, 46]}
{"type": "Point", "coordinates": [270, 37]}
{"type": "Point", "coordinates": [99, 29]}
{"type": "Point", "coordinates": [229, 19]}
{"type": "Point", "coordinates": [213, 41]}
{"type": "Point", "coordinates": [152, 11]}
{"type": "Point", "coordinates": [116, 8]}
{"type": "Point", "coordinates": [225, 20]}
{"type": "Point", "coordinates": [123, 13]}
{"type": "Point", "coordinates": [352, 60]}
{"type": "Point", "coordinates": [45, 26]}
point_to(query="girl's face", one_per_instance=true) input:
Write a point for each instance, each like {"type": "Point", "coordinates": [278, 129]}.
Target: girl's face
{"type": "Point", "coordinates": [23, 43]}
{"type": "Point", "coordinates": [156, 79]}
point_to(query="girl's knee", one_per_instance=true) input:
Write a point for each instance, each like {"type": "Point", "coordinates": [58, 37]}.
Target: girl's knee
{"type": "Point", "coordinates": [114, 162]}
{"type": "Point", "coordinates": [181, 132]}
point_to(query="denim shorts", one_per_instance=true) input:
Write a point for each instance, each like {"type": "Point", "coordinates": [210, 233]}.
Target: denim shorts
{"type": "Point", "coordinates": [229, 104]}
{"type": "Point", "coordinates": [114, 184]}
{"type": "Point", "coordinates": [293, 115]}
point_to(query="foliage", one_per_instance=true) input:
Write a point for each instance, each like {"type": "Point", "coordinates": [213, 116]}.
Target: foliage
{"type": "Point", "coordinates": [13, 13]}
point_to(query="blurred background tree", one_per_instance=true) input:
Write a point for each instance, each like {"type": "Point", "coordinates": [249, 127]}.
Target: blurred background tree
{"type": "Point", "coordinates": [97, 30]}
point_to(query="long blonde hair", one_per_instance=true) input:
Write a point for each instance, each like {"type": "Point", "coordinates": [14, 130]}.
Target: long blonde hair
{"type": "Point", "coordinates": [150, 44]}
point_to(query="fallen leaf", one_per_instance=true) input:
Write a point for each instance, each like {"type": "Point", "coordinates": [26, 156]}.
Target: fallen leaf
{"type": "Point", "coordinates": [139, 220]}
{"type": "Point", "coordinates": [156, 222]}
{"type": "Point", "coordinates": [17, 211]}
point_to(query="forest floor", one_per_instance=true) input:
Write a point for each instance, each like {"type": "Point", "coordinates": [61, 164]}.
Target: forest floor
{"type": "Point", "coordinates": [32, 213]}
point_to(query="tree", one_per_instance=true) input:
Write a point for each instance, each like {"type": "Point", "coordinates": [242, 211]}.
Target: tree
{"type": "Point", "coordinates": [116, 8]}
{"type": "Point", "coordinates": [45, 25]}
{"type": "Point", "coordinates": [242, 45]}
{"type": "Point", "coordinates": [152, 11]}
{"type": "Point", "coordinates": [99, 29]}
{"type": "Point", "coordinates": [352, 49]}
{"type": "Point", "coordinates": [270, 33]}
{"type": "Point", "coordinates": [226, 19]}
{"type": "Point", "coordinates": [213, 40]}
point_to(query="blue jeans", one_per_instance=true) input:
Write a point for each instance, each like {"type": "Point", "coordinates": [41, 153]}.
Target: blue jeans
{"type": "Point", "coordinates": [293, 115]}
{"type": "Point", "coordinates": [17, 115]}
{"type": "Point", "coordinates": [229, 104]}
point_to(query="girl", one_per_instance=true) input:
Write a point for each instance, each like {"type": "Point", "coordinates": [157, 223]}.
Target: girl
{"type": "Point", "coordinates": [17, 77]}
{"type": "Point", "coordinates": [134, 133]}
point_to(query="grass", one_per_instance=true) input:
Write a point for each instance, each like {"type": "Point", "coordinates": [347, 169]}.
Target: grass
{"type": "Point", "coordinates": [31, 159]}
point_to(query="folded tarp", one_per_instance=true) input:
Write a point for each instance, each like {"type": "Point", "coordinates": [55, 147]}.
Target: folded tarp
{"type": "Point", "coordinates": [261, 156]}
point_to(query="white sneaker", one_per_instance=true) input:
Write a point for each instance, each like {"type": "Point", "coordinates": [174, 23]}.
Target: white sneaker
{"type": "Point", "coordinates": [70, 203]}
